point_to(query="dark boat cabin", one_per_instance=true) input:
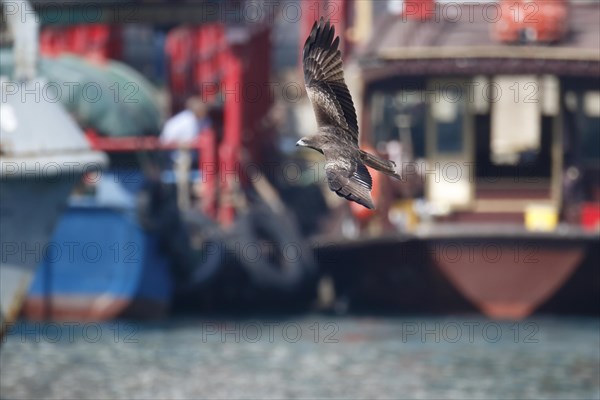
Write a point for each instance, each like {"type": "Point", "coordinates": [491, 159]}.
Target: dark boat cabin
{"type": "Point", "coordinates": [486, 125]}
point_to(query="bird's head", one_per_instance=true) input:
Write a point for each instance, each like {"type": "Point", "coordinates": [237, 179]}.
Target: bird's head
{"type": "Point", "coordinates": [308, 142]}
{"type": "Point", "coordinates": [302, 142]}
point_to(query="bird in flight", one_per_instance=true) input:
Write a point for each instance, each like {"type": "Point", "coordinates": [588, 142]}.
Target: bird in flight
{"type": "Point", "coordinates": [337, 137]}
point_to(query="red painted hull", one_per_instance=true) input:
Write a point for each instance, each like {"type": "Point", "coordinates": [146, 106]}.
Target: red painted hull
{"type": "Point", "coordinates": [506, 280]}
{"type": "Point", "coordinates": [507, 275]}
{"type": "Point", "coordinates": [93, 308]}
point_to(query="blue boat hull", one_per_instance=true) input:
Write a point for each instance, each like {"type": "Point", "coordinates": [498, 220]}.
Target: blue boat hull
{"type": "Point", "coordinates": [100, 265]}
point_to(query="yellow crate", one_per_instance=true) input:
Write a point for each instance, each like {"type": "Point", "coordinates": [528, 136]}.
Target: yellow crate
{"type": "Point", "coordinates": [541, 217]}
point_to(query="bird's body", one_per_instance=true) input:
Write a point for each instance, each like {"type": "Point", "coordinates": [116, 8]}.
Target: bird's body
{"type": "Point", "coordinates": [337, 138]}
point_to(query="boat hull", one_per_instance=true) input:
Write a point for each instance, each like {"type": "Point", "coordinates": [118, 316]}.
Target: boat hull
{"type": "Point", "coordinates": [92, 308]}
{"type": "Point", "coordinates": [100, 265]}
{"type": "Point", "coordinates": [504, 276]}
{"type": "Point", "coordinates": [40, 201]}
{"type": "Point", "coordinates": [507, 279]}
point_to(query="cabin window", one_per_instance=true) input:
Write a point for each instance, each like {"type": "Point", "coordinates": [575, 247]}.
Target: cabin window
{"type": "Point", "coordinates": [448, 110]}
{"type": "Point", "coordinates": [550, 95]}
{"type": "Point", "coordinates": [449, 147]}
{"type": "Point", "coordinates": [480, 94]}
{"type": "Point", "coordinates": [514, 138]}
{"type": "Point", "coordinates": [584, 107]}
{"type": "Point", "coordinates": [589, 120]}
{"type": "Point", "coordinates": [515, 120]}
{"type": "Point", "coordinates": [401, 116]}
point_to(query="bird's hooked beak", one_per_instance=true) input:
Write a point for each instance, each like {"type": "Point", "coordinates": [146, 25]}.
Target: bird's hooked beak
{"type": "Point", "coordinates": [301, 142]}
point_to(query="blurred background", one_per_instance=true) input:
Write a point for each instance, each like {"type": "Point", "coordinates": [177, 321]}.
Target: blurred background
{"type": "Point", "coordinates": [163, 237]}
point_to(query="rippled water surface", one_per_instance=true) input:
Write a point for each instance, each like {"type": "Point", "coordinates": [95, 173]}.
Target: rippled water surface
{"type": "Point", "coordinates": [305, 357]}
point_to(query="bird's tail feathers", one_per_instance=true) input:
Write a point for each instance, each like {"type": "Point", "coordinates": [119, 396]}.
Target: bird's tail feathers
{"type": "Point", "coordinates": [386, 166]}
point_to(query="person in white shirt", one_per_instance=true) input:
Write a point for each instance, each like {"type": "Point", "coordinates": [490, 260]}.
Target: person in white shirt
{"type": "Point", "coordinates": [182, 131]}
{"type": "Point", "coordinates": [183, 128]}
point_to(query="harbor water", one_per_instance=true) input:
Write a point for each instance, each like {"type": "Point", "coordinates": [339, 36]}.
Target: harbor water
{"type": "Point", "coordinates": [314, 356]}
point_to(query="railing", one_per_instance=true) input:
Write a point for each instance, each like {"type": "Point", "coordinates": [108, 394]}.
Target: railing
{"type": "Point", "coordinates": [205, 145]}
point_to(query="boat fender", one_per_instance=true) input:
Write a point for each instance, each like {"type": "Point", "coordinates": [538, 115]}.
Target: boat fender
{"type": "Point", "coordinates": [206, 240]}
{"type": "Point", "coordinates": [273, 252]}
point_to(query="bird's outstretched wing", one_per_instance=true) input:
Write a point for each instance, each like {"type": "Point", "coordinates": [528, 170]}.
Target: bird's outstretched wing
{"type": "Point", "coordinates": [349, 179]}
{"type": "Point", "coordinates": [324, 80]}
